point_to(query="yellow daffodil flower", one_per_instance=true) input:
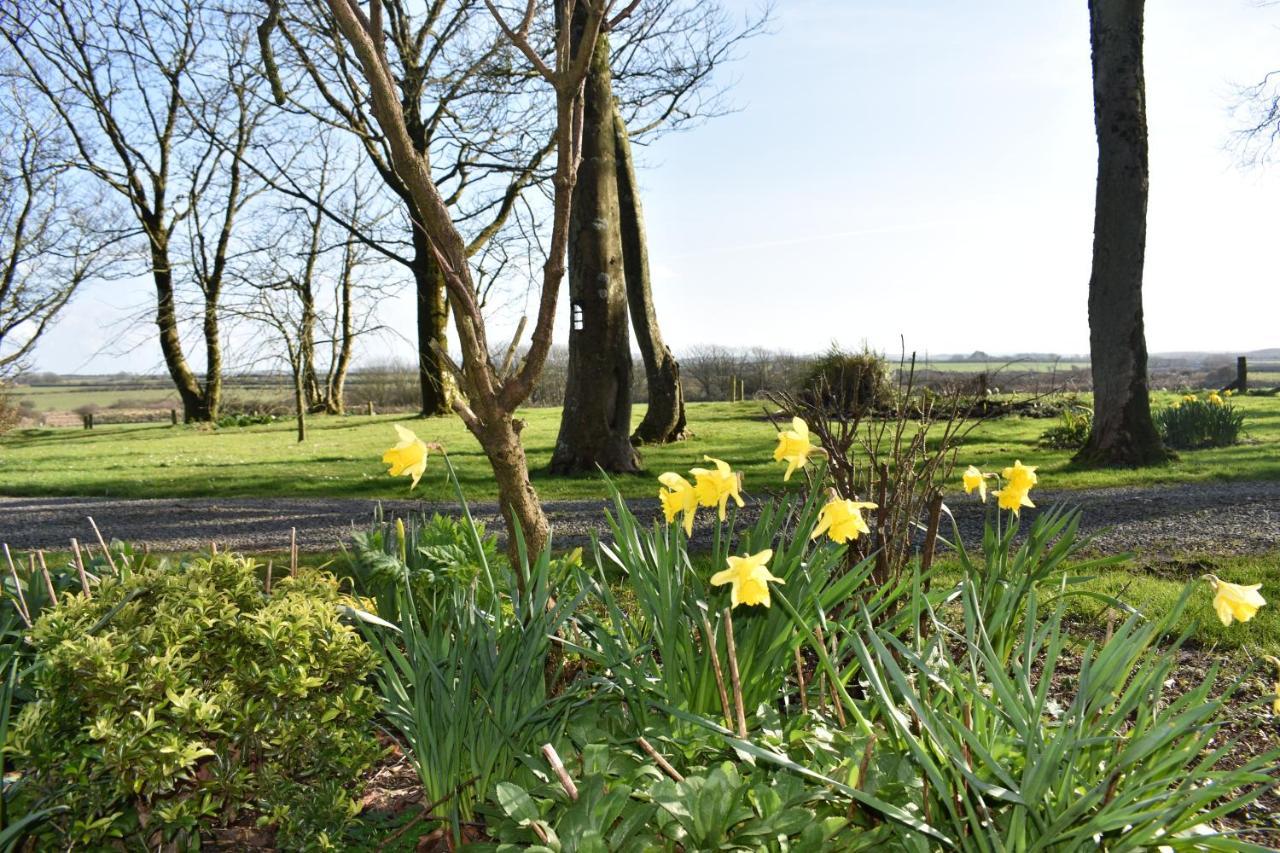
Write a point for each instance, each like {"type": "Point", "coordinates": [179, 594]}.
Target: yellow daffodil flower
{"type": "Point", "coordinates": [1235, 601]}
{"type": "Point", "coordinates": [1177, 404]}
{"type": "Point", "coordinates": [842, 520]}
{"type": "Point", "coordinates": [1188, 398]}
{"type": "Point", "coordinates": [794, 447]}
{"type": "Point", "coordinates": [1013, 498]}
{"type": "Point", "coordinates": [750, 577]}
{"type": "Point", "coordinates": [1230, 392]}
{"type": "Point", "coordinates": [1215, 399]}
{"type": "Point", "coordinates": [678, 496]}
{"type": "Point", "coordinates": [715, 487]}
{"type": "Point", "coordinates": [1020, 477]}
{"type": "Point", "coordinates": [975, 479]}
{"type": "Point", "coordinates": [408, 458]}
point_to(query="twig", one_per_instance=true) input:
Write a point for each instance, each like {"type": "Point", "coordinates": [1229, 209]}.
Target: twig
{"type": "Point", "coordinates": [103, 543]}
{"type": "Point", "coordinates": [662, 763]}
{"type": "Point", "coordinates": [804, 699]}
{"type": "Point", "coordinates": [293, 552]}
{"type": "Point", "coordinates": [84, 580]}
{"type": "Point", "coordinates": [566, 781]}
{"type": "Point", "coordinates": [733, 673]}
{"type": "Point", "coordinates": [17, 587]}
{"type": "Point", "coordinates": [715, 665]}
{"type": "Point", "coordinates": [511, 350]}
{"type": "Point", "coordinates": [48, 581]}
{"type": "Point", "coordinates": [267, 587]}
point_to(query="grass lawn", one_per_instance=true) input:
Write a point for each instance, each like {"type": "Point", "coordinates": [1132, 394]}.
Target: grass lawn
{"type": "Point", "coordinates": [341, 457]}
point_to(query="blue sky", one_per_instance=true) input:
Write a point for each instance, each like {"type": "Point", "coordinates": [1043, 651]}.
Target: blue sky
{"type": "Point", "coordinates": [926, 169]}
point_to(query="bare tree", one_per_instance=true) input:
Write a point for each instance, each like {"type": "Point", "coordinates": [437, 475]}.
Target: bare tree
{"type": "Point", "coordinates": [475, 119]}
{"type": "Point", "coordinates": [493, 391]}
{"type": "Point", "coordinates": [308, 285]}
{"type": "Point", "coordinates": [126, 78]}
{"type": "Point", "coordinates": [1123, 431]}
{"type": "Point", "coordinates": [54, 236]}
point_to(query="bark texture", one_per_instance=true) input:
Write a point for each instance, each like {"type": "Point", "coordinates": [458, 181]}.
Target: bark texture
{"type": "Point", "coordinates": [664, 421]}
{"type": "Point", "coordinates": [1123, 431]}
{"type": "Point", "coordinates": [189, 391]}
{"type": "Point", "coordinates": [438, 388]}
{"type": "Point", "coordinates": [595, 429]}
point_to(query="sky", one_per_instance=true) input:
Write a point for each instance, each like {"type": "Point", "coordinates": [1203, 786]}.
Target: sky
{"type": "Point", "coordinates": [902, 170]}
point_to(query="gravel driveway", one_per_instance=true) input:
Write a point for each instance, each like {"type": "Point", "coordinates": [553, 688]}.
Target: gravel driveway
{"type": "Point", "coordinates": [1218, 518]}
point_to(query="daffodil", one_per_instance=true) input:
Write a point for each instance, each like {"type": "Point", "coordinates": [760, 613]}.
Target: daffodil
{"type": "Point", "coordinates": [715, 487]}
{"type": "Point", "coordinates": [750, 577]}
{"type": "Point", "coordinates": [1188, 398]}
{"type": "Point", "coordinates": [1177, 404]}
{"type": "Point", "coordinates": [794, 447]}
{"type": "Point", "coordinates": [1230, 392]}
{"type": "Point", "coordinates": [842, 520]}
{"type": "Point", "coordinates": [408, 458]}
{"type": "Point", "coordinates": [1235, 601]}
{"type": "Point", "coordinates": [1013, 498]}
{"type": "Point", "coordinates": [1215, 399]}
{"type": "Point", "coordinates": [975, 479]}
{"type": "Point", "coordinates": [678, 496]}
{"type": "Point", "coordinates": [1020, 477]}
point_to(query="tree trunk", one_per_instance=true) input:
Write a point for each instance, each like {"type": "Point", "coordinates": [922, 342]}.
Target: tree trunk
{"type": "Point", "coordinates": [213, 358]}
{"type": "Point", "coordinates": [335, 400]}
{"type": "Point", "coordinates": [300, 399]}
{"type": "Point", "coordinates": [499, 435]}
{"type": "Point", "coordinates": [1123, 432]}
{"type": "Point", "coordinates": [193, 405]}
{"type": "Point", "coordinates": [664, 420]}
{"type": "Point", "coordinates": [438, 387]}
{"type": "Point", "coordinates": [595, 428]}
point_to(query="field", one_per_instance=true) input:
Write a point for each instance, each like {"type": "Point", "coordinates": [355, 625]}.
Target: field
{"type": "Point", "coordinates": [341, 456]}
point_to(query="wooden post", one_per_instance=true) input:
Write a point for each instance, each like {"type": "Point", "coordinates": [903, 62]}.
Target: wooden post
{"type": "Point", "coordinates": [370, 408]}
{"type": "Point", "coordinates": [173, 416]}
{"type": "Point", "coordinates": [1242, 375]}
{"type": "Point", "coordinates": [88, 420]}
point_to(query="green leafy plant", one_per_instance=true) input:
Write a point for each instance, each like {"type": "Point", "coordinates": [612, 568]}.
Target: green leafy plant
{"type": "Point", "coordinates": [173, 696]}
{"type": "Point", "coordinates": [1072, 430]}
{"type": "Point", "coordinates": [1192, 424]}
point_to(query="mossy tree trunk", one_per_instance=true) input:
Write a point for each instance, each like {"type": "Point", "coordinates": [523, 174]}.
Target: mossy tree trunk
{"type": "Point", "coordinates": [595, 429]}
{"type": "Point", "coordinates": [1123, 431]}
{"type": "Point", "coordinates": [664, 420]}
{"type": "Point", "coordinates": [184, 380]}
{"type": "Point", "coordinates": [438, 387]}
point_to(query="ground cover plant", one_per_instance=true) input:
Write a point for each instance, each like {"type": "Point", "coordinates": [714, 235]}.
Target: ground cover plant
{"type": "Point", "coordinates": [156, 460]}
{"type": "Point", "coordinates": [169, 698]}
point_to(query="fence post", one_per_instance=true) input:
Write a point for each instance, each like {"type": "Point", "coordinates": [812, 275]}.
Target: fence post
{"type": "Point", "coordinates": [88, 420]}
{"type": "Point", "coordinates": [173, 417]}
{"type": "Point", "coordinates": [370, 408]}
{"type": "Point", "coordinates": [1242, 375]}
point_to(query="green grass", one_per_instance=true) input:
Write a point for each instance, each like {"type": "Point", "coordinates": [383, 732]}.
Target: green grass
{"type": "Point", "coordinates": [1153, 588]}
{"type": "Point", "coordinates": [341, 457]}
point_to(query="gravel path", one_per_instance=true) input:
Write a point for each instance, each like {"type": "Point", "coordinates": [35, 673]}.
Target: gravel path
{"type": "Point", "coordinates": [1217, 518]}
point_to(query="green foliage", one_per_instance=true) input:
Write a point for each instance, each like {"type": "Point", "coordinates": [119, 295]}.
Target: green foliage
{"type": "Point", "coordinates": [849, 383]}
{"type": "Point", "coordinates": [1072, 430]}
{"type": "Point", "coordinates": [438, 554]}
{"type": "Point", "coordinates": [466, 671]}
{"type": "Point", "coordinates": [174, 696]}
{"type": "Point", "coordinates": [1192, 424]}
{"type": "Point", "coordinates": [244, 419]}
{"type": "Point", "coordinates": [659, 648]}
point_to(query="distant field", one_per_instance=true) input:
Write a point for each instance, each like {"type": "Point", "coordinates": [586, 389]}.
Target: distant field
{"type": "Point", "coordinates": [998, 365]}
{"type": "Point", "coordinates": [341, 456]}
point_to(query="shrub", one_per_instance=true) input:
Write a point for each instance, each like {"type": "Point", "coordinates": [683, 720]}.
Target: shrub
{"type": "Point", "coordinates": [9, 412]}
{"type": "Point", "coordinates": [1193, 423]}
{"type": "Point", "coordinates": [848, 383]}
{"type": "Point", "coordinates": [173, 696]}
{"type": "Point", "coordinates": [1073, 429]}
